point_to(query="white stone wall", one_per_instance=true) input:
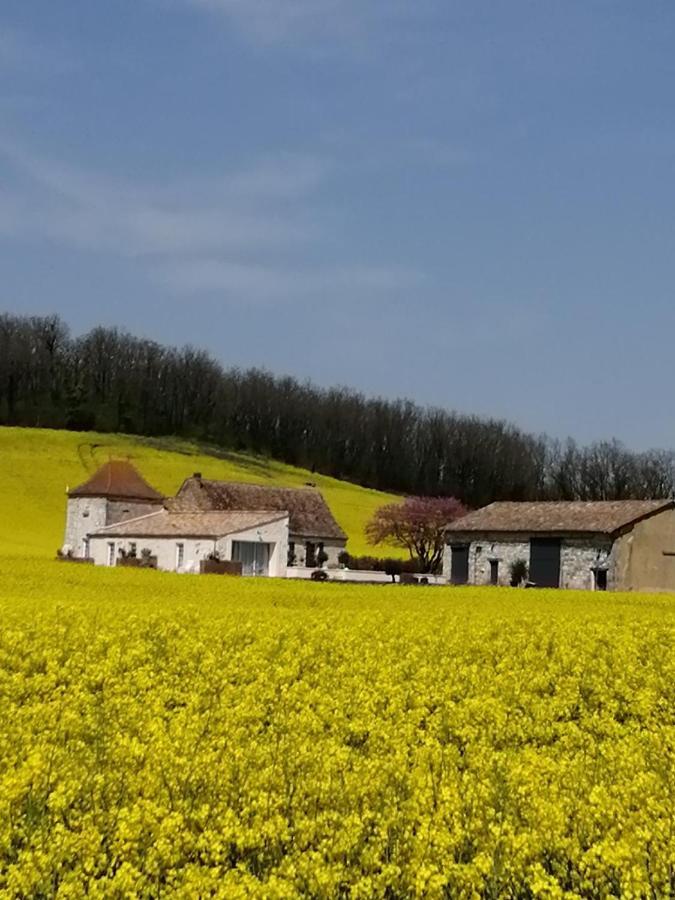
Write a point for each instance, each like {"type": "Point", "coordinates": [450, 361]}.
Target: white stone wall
{"type": "Point", "coordinates": [83, 515]}
{"type": "Point", "coordinates": [196, 549]}
{"type": "Point", "coordinates": [276, 534]}
{"type": "Point", "coordinates": [578, 556]}
{"type": "Point", "coordinates": [506, 552]}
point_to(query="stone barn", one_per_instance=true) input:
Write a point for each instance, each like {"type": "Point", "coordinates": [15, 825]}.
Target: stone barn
{"type": "Point", "coordinates": [622, 545]}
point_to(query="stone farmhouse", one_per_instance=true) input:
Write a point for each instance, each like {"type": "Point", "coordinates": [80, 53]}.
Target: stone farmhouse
{"type": "Point", "coordinates": [312, 528]}
{"type": "Point", "coordinates": [618, 545]}
{"type": "Point", "coordinates": [116, 512]}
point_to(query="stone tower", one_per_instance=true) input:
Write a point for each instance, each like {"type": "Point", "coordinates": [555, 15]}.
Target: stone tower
{"type": "Point", "coordinates": [114, 493]}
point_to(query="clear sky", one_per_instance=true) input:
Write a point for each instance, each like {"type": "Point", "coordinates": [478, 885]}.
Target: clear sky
{"type": "Point", "coordinates": [466, 203]}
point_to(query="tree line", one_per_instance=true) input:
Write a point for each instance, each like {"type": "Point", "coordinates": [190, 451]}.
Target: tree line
{"type": "Point", "coordinates": [108, 380]}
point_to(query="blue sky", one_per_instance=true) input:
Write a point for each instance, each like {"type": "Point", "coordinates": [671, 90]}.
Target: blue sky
{"type": "Point", "coordinates": [469, 204]}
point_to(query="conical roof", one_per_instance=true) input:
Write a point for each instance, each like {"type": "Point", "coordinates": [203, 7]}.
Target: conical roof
{"type": "Point", "coordinates": [117, 480]}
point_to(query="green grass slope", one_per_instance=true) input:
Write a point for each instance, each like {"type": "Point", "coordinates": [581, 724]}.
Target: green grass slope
{"type": "Point", "coordinates": [37, 465]}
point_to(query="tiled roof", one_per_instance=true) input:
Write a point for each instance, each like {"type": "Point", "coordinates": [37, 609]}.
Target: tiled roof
{"type": "Point", "coordinates": [117, 480]}
{"type": "Point", "coordinates": [601, 517]}
{"type": "Point", "coordinates": [310, 516]}
{"type": "Point", "coordinates": [196, 524]}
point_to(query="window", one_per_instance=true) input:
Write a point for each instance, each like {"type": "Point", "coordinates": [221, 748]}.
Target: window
{"type": "Point", "coordinates": [132, 548]}
{"type": "Point", "coordinates": [310, 554]}
{"type": "Point", "coordinates": [85, 548]}
{"type": "Point", "coordinates": [111, 553]}
{"type": "Point", "coordinates": [180, 555]}
{"type": "Point", "coordinates": [494, 571]}
{"type": "Point", "coordinates": [291, 553]}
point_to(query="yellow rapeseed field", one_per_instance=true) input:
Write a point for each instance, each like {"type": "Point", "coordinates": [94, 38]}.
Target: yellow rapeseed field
{"type": "Point", "coordinates": [182, 736]}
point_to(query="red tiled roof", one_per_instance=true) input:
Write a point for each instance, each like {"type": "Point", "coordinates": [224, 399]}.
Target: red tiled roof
{"type": "Point", "coordinates": [193, 524]}
{"type": "Point", "coordinates": [117, 480]}
{"type": "Point", "coordinates": [310, 516]}
{"type": "Point", "coordinates": [599, 517]}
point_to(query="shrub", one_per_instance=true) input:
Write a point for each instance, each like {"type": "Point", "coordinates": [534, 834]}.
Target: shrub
{"type": "Point", "coordinates": [379, 564]}
{"type": "Point", "coordinates": [518, 571]}
{"type": "Point", "coordinates": [393, 567]}
{"type": "Point", "coordinates": [343, 558]}
{"type": "Point", "coordinates": [319, 575]}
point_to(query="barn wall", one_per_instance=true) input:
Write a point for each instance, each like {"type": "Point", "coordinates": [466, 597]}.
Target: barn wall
{"type": "Point", "coordinates": [643, 562]}
{"type": "Point", "coordinates": [577, 558]}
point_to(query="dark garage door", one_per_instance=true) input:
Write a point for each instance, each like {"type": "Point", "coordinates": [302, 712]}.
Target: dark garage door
{"type": "Point", "coordinates": [545, 562]}
{"type": "Point", "coordinates": [459, 564]}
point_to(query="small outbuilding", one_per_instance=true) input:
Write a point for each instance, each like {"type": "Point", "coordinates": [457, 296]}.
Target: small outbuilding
{"type": "Point", "coordinates": [622, 545]}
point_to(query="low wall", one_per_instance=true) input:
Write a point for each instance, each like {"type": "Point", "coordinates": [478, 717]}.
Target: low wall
{"type": "Point", "coordinates": [354, 575]}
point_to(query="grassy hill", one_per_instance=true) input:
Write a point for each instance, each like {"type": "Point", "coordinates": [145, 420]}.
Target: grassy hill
{"type": "Point", "coordinates": [37, 465]}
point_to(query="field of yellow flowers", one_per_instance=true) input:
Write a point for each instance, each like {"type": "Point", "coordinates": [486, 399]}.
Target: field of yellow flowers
{"type": "Point", "coordinates": [165, 735]}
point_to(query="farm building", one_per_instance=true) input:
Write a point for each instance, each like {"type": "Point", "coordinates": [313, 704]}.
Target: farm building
{"type": "Point", "coordinates": [116, 513]}
{"type": "Point", "coordinates": [181, 541]}
{"type": "Point", "coordinates": [618, 545]}
{"type": "Point", "coordinates": [312, 527]}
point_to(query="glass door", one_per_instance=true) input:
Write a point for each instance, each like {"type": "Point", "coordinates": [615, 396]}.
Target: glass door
{"type": "Point", "coordinates": [254, 557]}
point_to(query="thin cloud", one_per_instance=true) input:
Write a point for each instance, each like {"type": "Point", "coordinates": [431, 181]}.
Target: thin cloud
{"type": "Point", "coordinates": [268, 284]}
{"type": "Point", "coordinates": [227, 212]}
{"type": "Point", "coordinates": [317, 24]}
{"type": "Point", "coordinates": [272, 21]}
{"type": "Point", "coordinates": [246, 235]}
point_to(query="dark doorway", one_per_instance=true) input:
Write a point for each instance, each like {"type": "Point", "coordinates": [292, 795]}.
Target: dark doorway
{"type": "Point", "coordinates": [600, 579]}
{"type": "Point", "coordinates": [494, 571]}
{"type": "Point", "coordinates": [459, 564]}
{"type": "Point", "coordinates": [545, 562]}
